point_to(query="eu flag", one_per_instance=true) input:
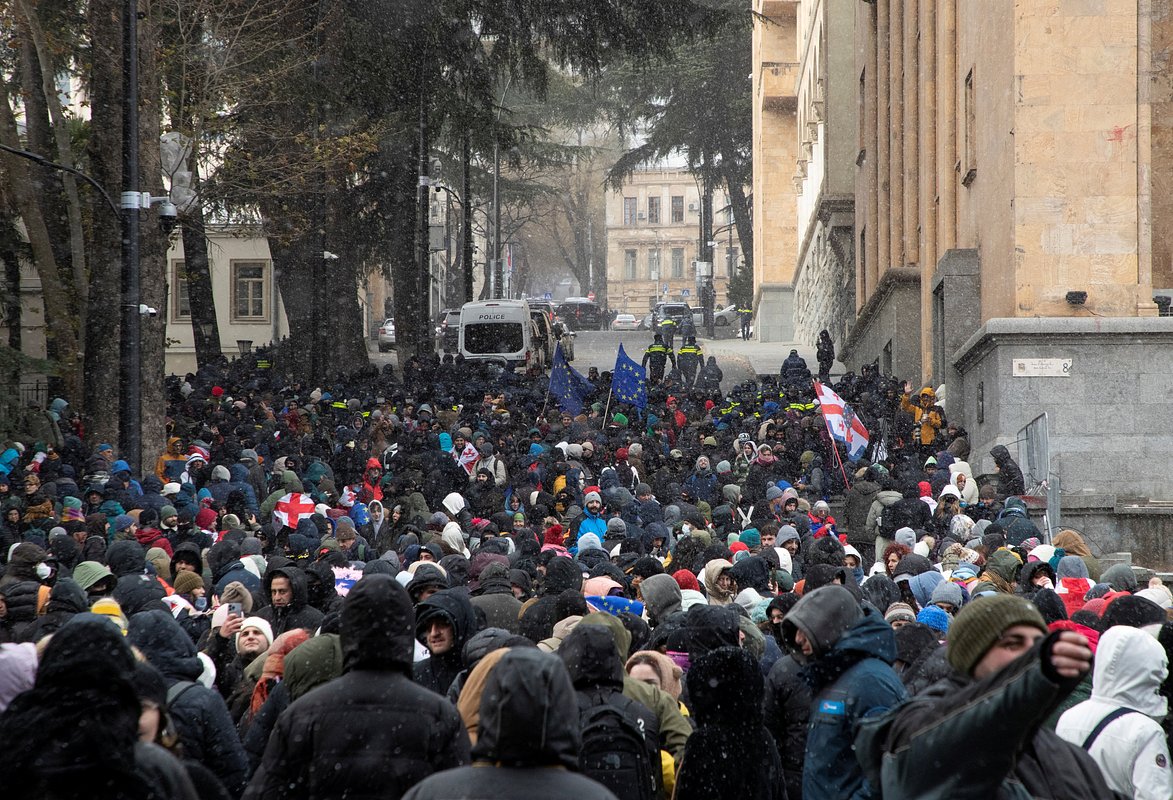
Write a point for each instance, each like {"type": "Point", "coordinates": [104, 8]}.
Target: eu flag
{"type": "Point", "coordinates": [567, 384]}
{"type": "Point", "coordinates": [628, 381]}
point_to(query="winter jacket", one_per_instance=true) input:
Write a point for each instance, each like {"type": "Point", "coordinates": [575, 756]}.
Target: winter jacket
{"type": "Point", "coordinates": [527, 747]}
{"type": "Point", "coordinates": [226, 567]}
{"type": "Point", "coordinates": [1131, 750]}
{"type": "Point", "coordinates": [787, 711]}
{"type": "Point", "coordinates": [495, 599]}
{"type": "Point", "coordinates": [851, 678]}
{"type": "Point", "coordinates": [859, 502]}
{"type": "Point", "coordinates": [295, 615]}
{"type": "Point", "coordinates": [962, 738]}
{"type": "Point", "coordinates": [1010, 479]}
{"type": "Point", "coordinates": [883, 499]}
{"type": "Point", "coordinates": [371, 732]}
{"type": "Point", "coordinates": [200, 716]}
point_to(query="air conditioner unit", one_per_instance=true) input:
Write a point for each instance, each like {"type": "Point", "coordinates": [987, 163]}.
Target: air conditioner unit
{"type": "Point", "coordinates": [641, 215]}
{"type": "Point", "coordinates": [692, 207]}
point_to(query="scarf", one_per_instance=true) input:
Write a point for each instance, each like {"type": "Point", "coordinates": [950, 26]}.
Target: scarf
{"type": "Point", "coordinates": [274, 667]}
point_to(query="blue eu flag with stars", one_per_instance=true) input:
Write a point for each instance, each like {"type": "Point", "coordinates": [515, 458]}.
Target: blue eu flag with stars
{"type": "Point", "coordinates": [628, 381]}
{"type": "Point", "coordinates": [567, 384]}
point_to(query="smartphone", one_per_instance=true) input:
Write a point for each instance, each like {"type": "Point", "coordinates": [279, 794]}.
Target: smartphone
{"type": "Point", "coordinates": [235, 610]}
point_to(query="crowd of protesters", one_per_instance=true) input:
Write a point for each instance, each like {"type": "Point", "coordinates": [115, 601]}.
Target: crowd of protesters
{"type": "Point", "coordinates": [443, 585]}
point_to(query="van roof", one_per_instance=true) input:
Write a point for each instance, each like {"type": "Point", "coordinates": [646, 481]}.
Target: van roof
{"type": "Point", "coordinates": [520, 304]}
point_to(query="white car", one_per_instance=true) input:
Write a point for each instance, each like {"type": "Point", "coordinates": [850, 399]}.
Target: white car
{"type": "Point", "coordinates": [386, 335]}
{"type": "Point", "coordinates": [625, 322]}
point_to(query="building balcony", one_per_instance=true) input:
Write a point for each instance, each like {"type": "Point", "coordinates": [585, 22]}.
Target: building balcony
{"type": "Point", "coordinates": [779, 85]}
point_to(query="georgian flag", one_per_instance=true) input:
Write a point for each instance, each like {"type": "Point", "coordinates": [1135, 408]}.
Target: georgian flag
{"type": "Point", "coordinates": [292, 508]}
{"type": "Point", "coordinates": [833, 407]}
{"type": "Point", "coordinates": [348, 498]}
{"type": "Point", "coordinates": [857, 435]}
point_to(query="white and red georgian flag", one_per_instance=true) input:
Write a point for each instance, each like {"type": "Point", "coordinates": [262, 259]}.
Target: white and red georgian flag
{"type": "Point", "coordinates": [832, 406]}
{"type": "Point", "coordinates": [291, 508]}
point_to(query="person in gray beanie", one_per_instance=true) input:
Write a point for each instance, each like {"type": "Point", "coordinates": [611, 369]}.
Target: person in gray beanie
{"type": "Point", "coordinates": [1008, 675]}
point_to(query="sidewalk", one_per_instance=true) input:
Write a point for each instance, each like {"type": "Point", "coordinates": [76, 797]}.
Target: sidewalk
{"type": "Point", "coordinates": [765, 357]}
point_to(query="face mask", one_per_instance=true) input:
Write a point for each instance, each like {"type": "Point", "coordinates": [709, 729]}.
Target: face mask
{"type": "Point", "coordinates": [43, 571]}
{"type": "Point", "coordinates": [200, 603]}
{"type": "Point", "coordinates": [686, 529]}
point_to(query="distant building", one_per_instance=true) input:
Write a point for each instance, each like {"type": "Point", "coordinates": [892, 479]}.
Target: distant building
{"type": "Point", "coordinates": [653, 234]}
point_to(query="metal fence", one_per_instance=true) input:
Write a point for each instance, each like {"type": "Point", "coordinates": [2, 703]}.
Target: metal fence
{"type": "Point", "coordinates": [34, 393]}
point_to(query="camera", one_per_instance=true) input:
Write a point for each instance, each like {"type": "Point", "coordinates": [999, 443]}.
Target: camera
{"type": "Point", "coordinates": [168, 217]}
{"type": "Point", "coordinates": [147, 311]}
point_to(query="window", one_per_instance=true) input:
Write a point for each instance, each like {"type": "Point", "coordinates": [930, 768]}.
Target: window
{"type": "Point", "coordinates": [629, 211]}
{"type": "Point", "coordinates": [969, 166]}
{"type": "Point", "coordinates": [677, 262]}
{"type": "Point", "coordinates": [248, 290]}
{"type": "Point", "coordinates": [629, 265]}
{"type": "Point", "coordinates": [494, 337]}
{"type": "Point", "coordinates": [180, 303]}
{"type": "Point", "coordinates": [653, 211]}
{"type": "Point", "coordinates": [678, 208]}
{"type": "Point", "coordinates": [863, 119]}
{"type": "Point", "coordinates": [654, 265]}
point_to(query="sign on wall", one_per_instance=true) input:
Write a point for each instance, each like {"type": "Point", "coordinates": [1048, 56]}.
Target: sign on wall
{"type": "Point", "coordinates": [1041, 368]}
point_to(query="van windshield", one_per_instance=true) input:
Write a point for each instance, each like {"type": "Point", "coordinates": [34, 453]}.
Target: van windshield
{"type": "Point", "coordinates": [493, 337]}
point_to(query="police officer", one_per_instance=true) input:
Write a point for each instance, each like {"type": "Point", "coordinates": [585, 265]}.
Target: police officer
{"type": "Point", "coordinates": [657, 355]}
{"type": "Point", "coordinates": [689, 358]}
{"type": "Point", "coordinates": [668, 331]}
{"type": "Point", "coordinates": [746, 314]}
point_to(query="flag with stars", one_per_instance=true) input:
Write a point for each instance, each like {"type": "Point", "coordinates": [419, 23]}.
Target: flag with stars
{"type": "Point", "coordinates": [628, 381]}
{"type": "Point", "coordinates": [567, 384]}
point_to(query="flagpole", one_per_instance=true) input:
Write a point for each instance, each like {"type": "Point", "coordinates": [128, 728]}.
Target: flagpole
{"type": "Point", "coordinates": [607, 410]}
{"type": "Point", "coordinates": [831, 436]}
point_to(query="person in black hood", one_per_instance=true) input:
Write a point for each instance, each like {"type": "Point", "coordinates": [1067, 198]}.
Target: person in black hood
{"type": "Point", "coordinates": [66, 599]}
{"type": "Point", "coordinates": [83, 677]}
{"type": "Point", "coordinates": [201, 719]}
{"type": "Point", "coordinates": [731, 754]}
{"type": "Point", "coordinates": [444, 622]}
{"type": "Point", "coordinates": [360, 734]}
{"type": "Point", "coordinates": [20, 611]}
{"type": "Point", "coordinates": [187, 558]}
{"type": "Point", "coordinates": [592, 659]}
{"type": "Point", "coordinates": [136, 590]}
{"type": "Point", "coordinates": [224, 562]}
{"type": "Point", "coordinates": [285, 588]}
{"type": "Point", "coordinates": [1010, 480]}
{"type": "Point", "coordinates": [529, 739]}
{"type": "Point", "coordinates": [752, 572]}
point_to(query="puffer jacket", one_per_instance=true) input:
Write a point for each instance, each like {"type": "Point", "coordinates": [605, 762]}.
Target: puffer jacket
{"type": "Point", "coordinates": [451, 606]}
{"type": "Point", "coordinates": [201, 719]}
{"type": "Point", "coordinates": [1131, 750]}
{"type": "Point", "coordinates": [379, 732]}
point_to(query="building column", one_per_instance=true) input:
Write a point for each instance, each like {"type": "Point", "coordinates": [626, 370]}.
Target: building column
{"type": "Point", "coordinates": [896, 122]}
{"type": "Point", "coordinates": [870, 252]}
{"type": "Point", "coordinates": [927, 212]}
{"type": "Point", "coordinates": [947, 121]}
{"type": "Point", "coordinates": [883, 186]}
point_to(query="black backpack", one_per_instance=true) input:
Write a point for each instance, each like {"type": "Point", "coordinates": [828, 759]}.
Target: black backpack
{"type": "Point", "coordinates": [615, 752]}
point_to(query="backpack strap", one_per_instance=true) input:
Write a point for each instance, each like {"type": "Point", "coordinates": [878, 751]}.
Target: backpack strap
{"type": "Point", "coordinates": [177, 690]}
{"type": "Point", "coordinates": [1105, 722]}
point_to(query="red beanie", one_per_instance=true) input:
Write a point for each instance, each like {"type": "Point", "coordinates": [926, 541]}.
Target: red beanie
{"type": "Point", "coordinates": [1096, 606]}
{"type": "Point", "coordinates": [621, 454]}
{"type": "Point", "coordinates": [737, 547]}
{"type": "Point", "coordinates": [205, 519]}
{"type": "Point", "coordinates": [217, 391]}
{"type": "Point", "coordinates": [553, 535]}
{"type": "Point", "coordinates": [686, 580]}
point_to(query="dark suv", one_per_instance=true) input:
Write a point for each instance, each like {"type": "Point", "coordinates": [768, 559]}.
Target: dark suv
{"type": "Point", "coordinates": [580, 315]}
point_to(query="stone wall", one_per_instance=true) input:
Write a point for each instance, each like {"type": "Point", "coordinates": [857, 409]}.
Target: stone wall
{"type": "Point", "coordinates": [824, 295]}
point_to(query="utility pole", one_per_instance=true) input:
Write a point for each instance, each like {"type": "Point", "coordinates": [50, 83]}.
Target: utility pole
{"type": "Point", "coordinates": [130, 401]}
{"type": "Point", "coordinates": [466, 221]}
{"type": "Point", "coordinates": [422, 245]}
{"type": "Point", "coordinates": [495, 272]}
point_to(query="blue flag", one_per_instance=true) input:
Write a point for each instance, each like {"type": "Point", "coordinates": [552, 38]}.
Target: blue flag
{"type": "Point", "coordinates": [567, 384]}
{"type": "Point", "coordinates": [628, 381]}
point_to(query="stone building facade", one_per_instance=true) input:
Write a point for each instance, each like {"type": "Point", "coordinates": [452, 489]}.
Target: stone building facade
{"type": "Point", "coordinates": [653, 233]}
{"type": "Point", "coordinates": [1013, 227]}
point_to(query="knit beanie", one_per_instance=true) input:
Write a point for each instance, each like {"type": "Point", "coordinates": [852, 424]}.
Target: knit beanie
{"type": "Point", "coordinates": [108, 607]}
{"type": "Point", "coordinates": [935, 617]}
{"type": "Point", "coordinates": [898, 611]}
{"type": "Point", "coordinates": [236, 592]}
{"type": "Point", "coordinates": [167, 511]}
{"type": "Point", "coordinates": [978, 626]}
{"type": "Point", "coordinates": [947, 592]}
{"type": "Point", "coordinates": [906, 537]}
{"type": "Point", "coordinates": [591, 496]}
{"type": "Point", "coordinates": [686, 580]}
{"type": "Point", "coordinates": [260, 624]}
{"type": "Point", "coordinates": [187, 582]}
{"type": "Point", "coordinates": [751, 538]}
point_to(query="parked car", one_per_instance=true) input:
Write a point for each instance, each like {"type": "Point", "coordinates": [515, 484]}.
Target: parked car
{"type": "Point", "coordinates": [721, 317]}
{"type": "Point", "coordinates": [448, 330]}
{"type": "Point", "coordinates": [625, 322]}
{"type": "Point", "coordinates": [387, 335]}
{"type": "Point", "coordinates": [581, 314]}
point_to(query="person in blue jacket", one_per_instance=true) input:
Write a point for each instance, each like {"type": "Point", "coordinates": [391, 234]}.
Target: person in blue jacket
{"type": "Point", "coordinates": [847, 653]}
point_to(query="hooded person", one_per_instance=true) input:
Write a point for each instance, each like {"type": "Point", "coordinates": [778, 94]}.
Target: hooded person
{"type": "Point", "coordinates": [444, 622]}
{"type": "Point", "coordinates": [1119, 726]}
{"type": "Point", "coordinates": [492, 591]}
{"type": "Point", "coordinates": [528, 740]}
{"type": "Point", "coordinates": [286, 589]}
{"type": "Point", "coordinates": [725, 688]}
{"type": "Point", "coordinates": [366, 724]}
{"type": "Point", "coordinates": [1007, 675]}
{"type": "Point", "coordinates": [720, 591]}
{"type": "Point", "coordinates": [66, 600]}
{"type": "Point", "coordinates": [661, 596]}
{"type": "Point", "coordinates": [847, 652]}
{"type": "Point", "coordinates": [84, 674]}
{"type": "Point", "coordinates": [201, 718]}
{"type": "Point", "coordinates": [593, 661]}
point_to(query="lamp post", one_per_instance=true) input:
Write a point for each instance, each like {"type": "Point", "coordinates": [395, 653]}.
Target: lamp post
{"type": "Point", "coordinates": [495, 276]}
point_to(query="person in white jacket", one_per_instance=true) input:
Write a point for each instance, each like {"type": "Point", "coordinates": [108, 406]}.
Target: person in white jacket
{"type": "Point", "coordinates": [1118, 726]}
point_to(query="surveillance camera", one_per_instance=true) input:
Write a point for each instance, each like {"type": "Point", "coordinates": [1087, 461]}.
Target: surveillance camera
{"type": "Point", "coordinates": [147, 311]}
{"type": "Point", "coordinates": [168, 217]}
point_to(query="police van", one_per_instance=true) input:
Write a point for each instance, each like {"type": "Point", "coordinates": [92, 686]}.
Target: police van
{"type": "Point", "coordinates": [502, 331]}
